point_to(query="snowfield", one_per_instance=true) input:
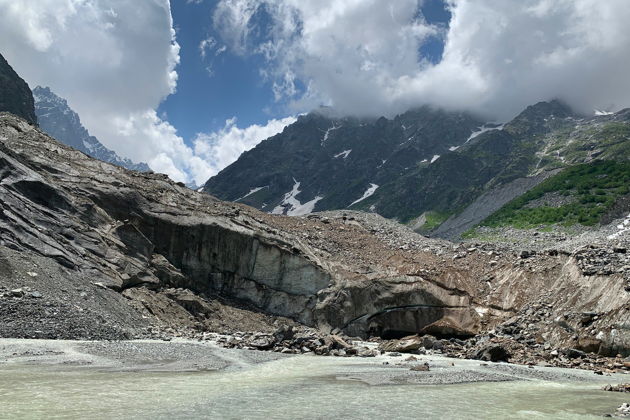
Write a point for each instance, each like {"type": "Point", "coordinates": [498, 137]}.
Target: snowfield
{"type": "Point", "coordinates": [292, 205]}
{"type": "Point", "coordinates": [252, 191]}
{"type": "Point", "coordinates": [482, 130]}
{"type": "Point", "coordinates": [345, 154]}
{"type": "Point", "coordinates": [371, 189]}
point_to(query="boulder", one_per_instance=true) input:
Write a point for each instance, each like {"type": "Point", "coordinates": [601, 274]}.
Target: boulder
{"type": "Point", "coordinates": [262, 343]}
{"type": "Point", "coordinates": [339, 343]}
{"type": "Point", "coordinates": [588, 344]}
{"type": "Point", "coordinates": [421, 368]}
{"type": "Point", "coordinates": [404, 345]}
{"type": "Point", "coordinates": [574, 353]}
{"type": "Point", "coordinates": [492, 353]}
{"type": "Point", "coordinates": [368, 353]}
{"type": "Point", "coordinates": [17, 292]}
{"type": "Point", "coordinates": [284, 332]}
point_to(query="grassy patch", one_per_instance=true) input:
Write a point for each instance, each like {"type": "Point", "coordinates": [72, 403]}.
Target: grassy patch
{"type": "Point", "coordinates": [433, 220]}
{"type": "Point", "coordinates": [595, 187]}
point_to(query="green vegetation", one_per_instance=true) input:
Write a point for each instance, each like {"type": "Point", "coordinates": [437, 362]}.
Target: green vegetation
{"type": "Point", "coordinates": [433, 219]}
{"type": "Point", "coordinates": [592, 189]}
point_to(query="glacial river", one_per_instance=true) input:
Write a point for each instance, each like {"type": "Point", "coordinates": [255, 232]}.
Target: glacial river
{"type": "Point", "coordinates": [293, 388]}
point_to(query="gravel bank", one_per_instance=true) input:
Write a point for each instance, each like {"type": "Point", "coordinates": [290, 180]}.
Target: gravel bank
{"type": "Point", "coordinates": [187, 355]}
{"type": "Point", "coordinates": [137, 355]}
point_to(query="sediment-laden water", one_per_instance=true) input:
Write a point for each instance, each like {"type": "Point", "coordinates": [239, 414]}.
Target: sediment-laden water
{"type": "Point", "coordinates": [298, 387]}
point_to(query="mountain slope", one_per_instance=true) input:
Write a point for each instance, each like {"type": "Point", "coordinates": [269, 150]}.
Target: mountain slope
{"type": "Point", "coordinates": [573, 145]}
{"type": "Point", "coordinates": [422, 167]}
{"type": "Point", "coordinates": [322, 162]}
{"type": "Point", "coordinates": [15, 95]}
{"type": "Point", "coordinates": [580, 194]}
{"type": "Point", "coordinates": [58, 120]}
{"type": "Point", "coordinates": [90, 250]}
{"type": "Point", "coordinates": [495, 157]}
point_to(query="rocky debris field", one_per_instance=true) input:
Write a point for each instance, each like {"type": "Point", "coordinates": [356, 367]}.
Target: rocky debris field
{"type": "Point", "coordinates": [298, 340]}
{"type": "Point", "coordinates": [559, 238]}
{"type": "Point", "coordinates": [604, 260]}
{"type": "Point", "coordinates": [39, 300]}
{"type": "Point", "coordinates": [499, 348]}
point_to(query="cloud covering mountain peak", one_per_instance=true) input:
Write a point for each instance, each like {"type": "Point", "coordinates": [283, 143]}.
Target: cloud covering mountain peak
{"type": "Point", "coordinates": [363, 57]}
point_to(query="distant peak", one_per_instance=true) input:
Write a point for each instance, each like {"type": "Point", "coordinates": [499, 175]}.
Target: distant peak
{"type": "Point", "coordinates": [554, 107]}
{"type": "Point", "coordinates": [46, 94]}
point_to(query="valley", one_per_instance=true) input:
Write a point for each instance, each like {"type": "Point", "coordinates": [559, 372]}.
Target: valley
{"type": "Point", "coordinates": [525, 270]}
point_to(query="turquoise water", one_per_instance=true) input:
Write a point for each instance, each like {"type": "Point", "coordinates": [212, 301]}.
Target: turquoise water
{"type": "Point", "coordinates": [300, 387]}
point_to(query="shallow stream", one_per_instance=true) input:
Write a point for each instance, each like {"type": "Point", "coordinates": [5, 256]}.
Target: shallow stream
{"type": "Point", "coordinates": [292, 388]}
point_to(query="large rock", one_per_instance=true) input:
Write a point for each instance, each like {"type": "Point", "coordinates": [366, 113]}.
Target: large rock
{"type": "Point", "coordinates": [120, 229]}
{"type": "Point", "coordinates": [404, 345]}
{"type": "Point", "coordinates": [492, 353]}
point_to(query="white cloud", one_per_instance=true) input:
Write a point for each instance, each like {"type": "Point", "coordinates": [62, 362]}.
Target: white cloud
{"type": "Point", "coordinates": [156, 142]}
{"type": "Point", "coordinates": [362, 55]}
{"type": "Point", "coordinates": [226, 145]}
{"type": "Point", "coordinates": [113, 60]}
{"type": "Point", "coordinates": [206, 45]}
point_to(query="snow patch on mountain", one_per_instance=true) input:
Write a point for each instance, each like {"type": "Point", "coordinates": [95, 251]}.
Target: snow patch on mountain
{"type": "Point", "coordinates": [484, 128]}
{"type": "Point", "coordinates": [345, 154]}
{"type": "Point", "coordinates": [291, 206]}
{"type": "Point", "coordinates": [327, 133]}
{"type": "Point", "coordinates": [252, 191]}
{"type": "Point", "coordinates": [369, 192]}
{"type": "Point", "coordinates": [623, 228]}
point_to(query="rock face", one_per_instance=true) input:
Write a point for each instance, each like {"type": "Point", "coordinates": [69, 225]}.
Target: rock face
{"type": "Point", "coordinates": [58, 120]}
{"type": "Point", "coordinates": [135, 252]}
{"type": "Point", "coordinates": [424, 166]}
{"type": "Point", "coordinates": [123, 229]}
{"type": "Point", "coordinates": [15, 95]}
{"type": "Point", "coordinates": [324, 162]}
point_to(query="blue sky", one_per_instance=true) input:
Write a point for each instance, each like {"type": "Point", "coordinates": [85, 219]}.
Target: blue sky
{"type": "Point", "coordinates": [234, 87]}
{"type": "Point", "coordinates": [203, 100]}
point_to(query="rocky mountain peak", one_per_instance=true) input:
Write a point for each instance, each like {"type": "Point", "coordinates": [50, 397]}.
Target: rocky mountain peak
{"type": "Point", "coordinates": [15, 95]}
{"type": "Point", "coordinates": [535, 118]}
{"type": "Point", "coordinates": [61, 122]}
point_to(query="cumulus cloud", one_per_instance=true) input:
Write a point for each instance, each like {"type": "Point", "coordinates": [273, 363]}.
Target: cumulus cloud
{"type": "Point", "coordinates": [225, 146]}
{"type": "Point", "coordinates": [113, 60]}
{"type": "Point", "coordinates": [362, 56]}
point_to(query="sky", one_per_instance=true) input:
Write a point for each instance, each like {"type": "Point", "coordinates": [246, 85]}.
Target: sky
{"type": "Point", "coordinates": [188, 85]}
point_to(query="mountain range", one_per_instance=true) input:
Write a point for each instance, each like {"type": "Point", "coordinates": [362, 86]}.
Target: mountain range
{"type": "Point", "coordinates": [57, 119]}
{"type": "Point", "coordinates": [423, 167]}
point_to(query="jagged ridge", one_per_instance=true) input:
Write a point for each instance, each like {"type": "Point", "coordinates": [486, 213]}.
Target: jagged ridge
{"type": "Point", "coordinates": [59, 120]}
